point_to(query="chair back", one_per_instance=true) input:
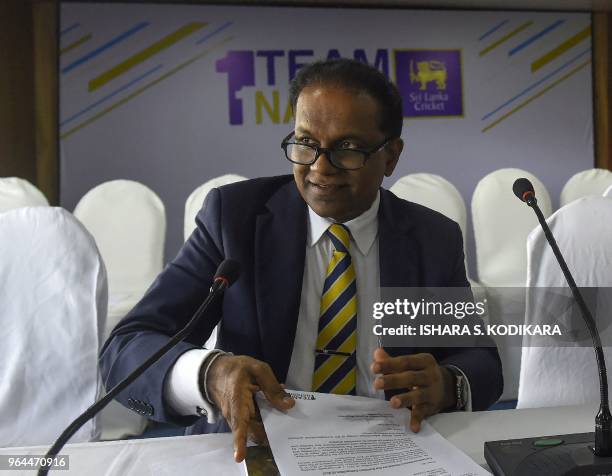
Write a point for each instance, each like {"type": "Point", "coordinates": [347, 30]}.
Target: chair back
{"type": "Point", "coordinates": [53, 291]}
{"type": "Point", "coordinates": [16, 193]}
{"type": "Point", "coordinates": [128, 222]}
{"type": "Point", "coordinates": [567, 374]}
{"type": "Point", "coordinates": [435, 192]}
{"type": "Point", "coordinates": [585, 183]}
{"type": "Point", "coordinates": [196, 199]}
{"type": "Point", "coordinates": [501, 225]}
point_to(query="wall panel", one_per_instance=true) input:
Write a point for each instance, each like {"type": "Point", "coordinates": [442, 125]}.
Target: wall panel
{"type": "Point", "coordinates": [17, 134]}
{"type": "Point", "coordinates": [173, 95]}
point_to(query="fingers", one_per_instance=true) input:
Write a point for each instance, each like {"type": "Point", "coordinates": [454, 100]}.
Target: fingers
{"type": "Point", "coordinates": [268, 384]}
{"type": "Point", "coordinates": [418, 372]}
{"type": "Point", "coordinates": [380, 354]}
{"type": "Point", "coordinates": [407, 379]}
{"type": "Point", "coordinates": [384, 364]}
{"type": "Point", "coordinates": [253, 410]}
{"type": "Point", "coordinates": [241, 410]}
{"type": "Point", "coordinates": [417, 415]}
{"type": "Point", "coordinates": [242, 414]}
{"type": "Point", "coordinates": [418, 402]}
{"type": "Point", "coordinates": [240, 432]}
{"type": "Point", "coordinates": [417, 396]}
{"type": "Point", "coordinates": [233, 381]}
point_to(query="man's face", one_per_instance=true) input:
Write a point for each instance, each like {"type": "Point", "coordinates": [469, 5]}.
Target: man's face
{"type": "Point", "coordinates": [332, 117]}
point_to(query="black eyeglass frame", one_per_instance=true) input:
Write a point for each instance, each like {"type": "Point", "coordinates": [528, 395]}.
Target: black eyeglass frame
{"type": "Point", "coordinates": [367, 153]}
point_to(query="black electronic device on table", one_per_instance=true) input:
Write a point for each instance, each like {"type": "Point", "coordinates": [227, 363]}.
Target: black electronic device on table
{"type": "Point", "coordinates": [578, 454]}
{"type": "Point", "coordinates": [559, 455]}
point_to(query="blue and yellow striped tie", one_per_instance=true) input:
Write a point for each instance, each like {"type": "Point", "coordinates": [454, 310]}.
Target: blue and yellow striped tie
{"type": "Point", "coordinates": [335, 360]}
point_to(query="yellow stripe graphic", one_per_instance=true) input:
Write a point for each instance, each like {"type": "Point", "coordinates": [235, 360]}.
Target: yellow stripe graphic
{"type": "Point", "coordinates": [337, 323]}
{"type": "Point", "coordinates": [143, 89]}
{"type": "Point", "coordinates": [548, 88]}
{"type": "Point", "coordinates": [505, 38]}
{"type": "Point", "coordinates": [562, 48]}
{"type": "Point", "coordinates": [144, 55]}
{"type": "Point", "coordinates": [77, 43]}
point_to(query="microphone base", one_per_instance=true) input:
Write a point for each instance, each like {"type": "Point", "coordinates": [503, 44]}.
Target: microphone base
{"type": "Point", "coordinates": [559, 455]}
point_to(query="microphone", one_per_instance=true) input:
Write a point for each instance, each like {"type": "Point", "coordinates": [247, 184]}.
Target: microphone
{"type": "Point", "coordinates": [523, 189]}
{"type": "Point", "coordinates": [532, 455]}
{"type": "Point", "coordinates": [227, 273]}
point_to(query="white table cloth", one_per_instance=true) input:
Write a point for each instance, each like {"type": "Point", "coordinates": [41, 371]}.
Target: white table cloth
{"type": "Point", "coordinates": [213, 454]}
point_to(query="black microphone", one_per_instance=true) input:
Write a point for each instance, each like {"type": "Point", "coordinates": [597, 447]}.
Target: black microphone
{"type": "Point", "coordinates": [523, 189]}
{"type": "Point", "coordinates": [529, 455]}
{"type": "Point", "coordinates": [227, 273]}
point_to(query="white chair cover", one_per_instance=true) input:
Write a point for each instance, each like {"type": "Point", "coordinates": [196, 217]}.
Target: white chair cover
{"type": "Point", "coordinates": [501, 225]}
{"type": "Point", "coordinates": [196, 199]}
{"type": "Point", "coordinates": [53, 292]}
{"type": "Point", "coordinates": [552, 376]}
{"type": "Point", "coordinates": [128, 222]}
{"type": "Point", "coordinates": [437, 193]}
{"type": "Point", "coordinates": [434, 192]}
{"type": "Point", "coordinates": [16, 193]}
{"type": "Point", "coordinates": [608, 192]}
{"type": "Point", "coordinates": [585, 183]}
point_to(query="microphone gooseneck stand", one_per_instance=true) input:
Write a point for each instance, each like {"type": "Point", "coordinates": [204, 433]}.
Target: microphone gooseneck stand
{"type": "Point", "coordinates": [227, 273]}
{"type": "Point", "coordinates": [572, 454]}
{"type": "Point", "coordinates": [603, 420]}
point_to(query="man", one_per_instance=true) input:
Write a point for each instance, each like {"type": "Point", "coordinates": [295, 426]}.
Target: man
{"type": "Point", "coordinates": [315, 249]}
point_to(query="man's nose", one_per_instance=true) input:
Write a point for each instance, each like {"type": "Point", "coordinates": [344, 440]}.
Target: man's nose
{"type": "Point", "coordinates": [323, 165]}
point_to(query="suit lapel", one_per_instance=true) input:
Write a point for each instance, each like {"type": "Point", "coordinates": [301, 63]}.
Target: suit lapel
{"type": "Point", "coordinates": [280, 249]}
{"type": "Point", "coordinates": [397, 251]}
{"type": "Point", "coordinates": [398, 257]}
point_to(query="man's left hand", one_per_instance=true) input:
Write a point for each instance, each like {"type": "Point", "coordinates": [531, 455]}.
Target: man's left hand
{"type": "Point", "coordinates": [430, 387]}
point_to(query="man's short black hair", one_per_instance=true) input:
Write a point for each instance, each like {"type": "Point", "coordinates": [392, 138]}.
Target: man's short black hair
{"type": "Point", "coordinates": [359, 76]}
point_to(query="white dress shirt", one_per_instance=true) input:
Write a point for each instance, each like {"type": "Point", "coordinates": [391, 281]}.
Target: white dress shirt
{"type": "Point", "coordinates": [364, 255]}
{"type": "Point", "coordinates": [181, 390]}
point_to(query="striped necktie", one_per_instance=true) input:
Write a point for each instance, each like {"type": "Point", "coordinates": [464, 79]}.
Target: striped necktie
{"type": "Point", "coordinates": [335, 359]}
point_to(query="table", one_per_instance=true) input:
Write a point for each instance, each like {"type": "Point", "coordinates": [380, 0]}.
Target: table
{"type": "Point", "coordinates": [212, 454]}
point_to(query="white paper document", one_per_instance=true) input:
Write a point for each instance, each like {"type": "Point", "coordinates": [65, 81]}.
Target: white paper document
{"type": "Point", "coordinates": [336, 434]}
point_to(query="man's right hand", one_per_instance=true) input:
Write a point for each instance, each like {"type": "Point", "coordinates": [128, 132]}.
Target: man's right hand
{"type": "Point", "coordinates": [232, 382]}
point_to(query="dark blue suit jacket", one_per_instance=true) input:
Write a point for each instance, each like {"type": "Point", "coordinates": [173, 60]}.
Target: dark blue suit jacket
{"type": "Point", "coordinates": [262, 223]}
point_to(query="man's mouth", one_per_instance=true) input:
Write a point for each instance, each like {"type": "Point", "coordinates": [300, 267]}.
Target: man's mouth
{"type": "Point", "coordinates": [326, 186]}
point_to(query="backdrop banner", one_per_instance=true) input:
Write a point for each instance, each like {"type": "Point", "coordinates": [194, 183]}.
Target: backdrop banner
{"type": "Point", "coordinates": [174, 95]}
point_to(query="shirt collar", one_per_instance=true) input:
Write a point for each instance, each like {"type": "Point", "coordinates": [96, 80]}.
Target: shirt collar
{"type": "Point", "coordinates": [363, 228]}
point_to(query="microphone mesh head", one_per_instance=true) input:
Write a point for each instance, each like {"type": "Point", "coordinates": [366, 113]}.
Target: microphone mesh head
{"type": "Point", "coordinates": [229, 270]}
{"type": "Point", "coordinates": [521, 187]}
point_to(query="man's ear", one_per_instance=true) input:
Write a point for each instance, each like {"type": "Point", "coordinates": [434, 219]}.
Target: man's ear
{"type": "Point", "coordinates": [394, 150]}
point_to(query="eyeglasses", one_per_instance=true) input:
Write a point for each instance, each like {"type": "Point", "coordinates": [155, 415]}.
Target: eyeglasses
{"type": "Point", "coordinates": [345, 159]}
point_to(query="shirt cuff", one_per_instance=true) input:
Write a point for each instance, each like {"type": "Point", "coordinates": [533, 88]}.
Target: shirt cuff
{"type": "Point", "coordinates": [468, 396]}
{"type": "Point", "coordinates": [182, 390]}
